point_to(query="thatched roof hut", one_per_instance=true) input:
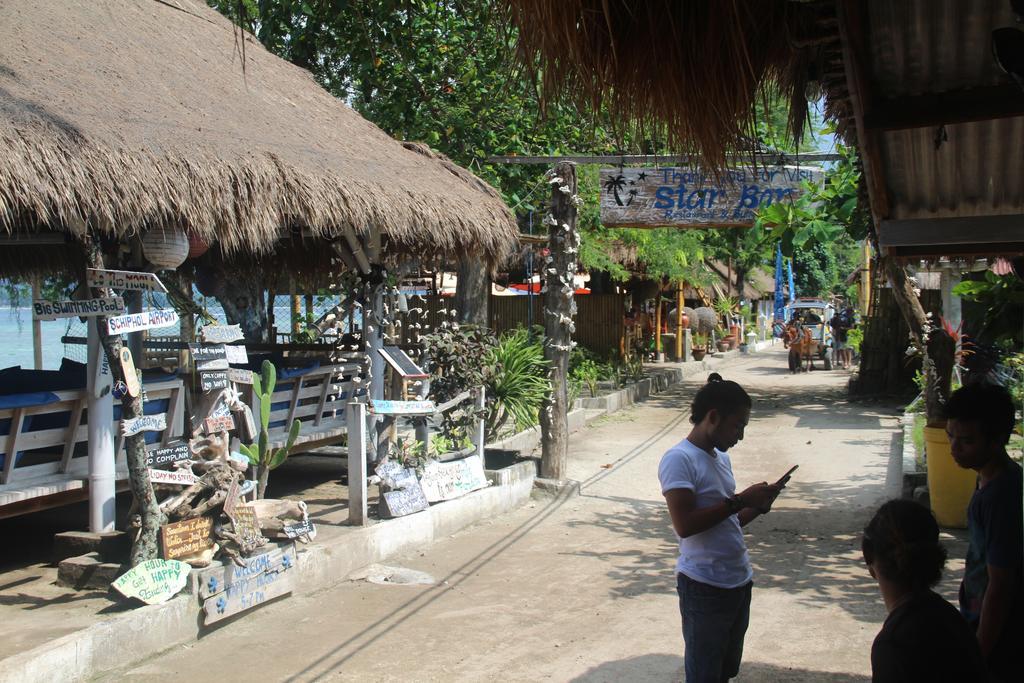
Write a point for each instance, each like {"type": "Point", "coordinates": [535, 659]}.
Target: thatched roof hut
{"type": "Point", "coordinates": [120, 116]}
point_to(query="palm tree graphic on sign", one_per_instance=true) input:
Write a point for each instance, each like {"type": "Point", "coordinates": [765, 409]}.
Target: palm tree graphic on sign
{"type": "Point", "coordinates": [613, 185]}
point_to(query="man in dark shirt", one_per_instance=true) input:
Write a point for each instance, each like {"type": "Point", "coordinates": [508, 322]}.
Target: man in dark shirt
{"type": "Point", "coordinates": [980, 420]}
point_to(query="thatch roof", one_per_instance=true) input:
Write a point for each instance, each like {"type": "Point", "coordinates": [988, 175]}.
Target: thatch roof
{"type": "Point", "coordinates": [127, 115]}
{"type": "Point", "coordinates": [697, 68]}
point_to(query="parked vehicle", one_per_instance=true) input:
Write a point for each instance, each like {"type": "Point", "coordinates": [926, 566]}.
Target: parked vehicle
{"type": "Point", "coordinates": [815, 315]}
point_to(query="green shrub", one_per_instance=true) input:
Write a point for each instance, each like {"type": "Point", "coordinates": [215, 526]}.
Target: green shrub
{"type": "Point", "coordinates": [518, 383]}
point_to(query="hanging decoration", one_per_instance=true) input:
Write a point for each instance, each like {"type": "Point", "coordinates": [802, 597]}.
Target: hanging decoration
{"type": "Point", "coordinates": [165, 247]}
{"type": "Point", "coordinates": [197, 245]}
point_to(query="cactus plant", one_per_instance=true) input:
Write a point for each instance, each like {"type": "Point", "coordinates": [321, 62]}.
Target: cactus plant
{"type": "Point", "coordinates": [260, 454]}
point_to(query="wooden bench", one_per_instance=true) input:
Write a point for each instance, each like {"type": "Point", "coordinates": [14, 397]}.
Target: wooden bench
{"type": "Point", "coordinates": [45, 449]}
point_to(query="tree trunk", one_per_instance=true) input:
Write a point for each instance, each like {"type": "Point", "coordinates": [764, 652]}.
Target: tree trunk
{"type": "Point", "coordinates": [472, 292]}
{"type": "Point", "coordinates": [563, 242]}
{"type": "Point", "coordinates": [243, 304]}
{"type": "Point", "coordinates": [145, 546]}
{"type": "Point", "coordinates": [938, 346]}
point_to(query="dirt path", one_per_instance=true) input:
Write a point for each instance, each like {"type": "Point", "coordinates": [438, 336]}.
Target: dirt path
{"type": "Point", "coordinates": [583, 590]}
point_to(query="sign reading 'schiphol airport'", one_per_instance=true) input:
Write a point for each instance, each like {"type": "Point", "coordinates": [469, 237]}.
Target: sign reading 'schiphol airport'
{"type": "Point", "coordinates": [657, 197]}
{"type": "Point", "coordinates": [147, 320]}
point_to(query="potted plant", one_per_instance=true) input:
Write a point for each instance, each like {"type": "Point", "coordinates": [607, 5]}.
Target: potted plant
{"type": "Point", "coordinates": [700, 346]}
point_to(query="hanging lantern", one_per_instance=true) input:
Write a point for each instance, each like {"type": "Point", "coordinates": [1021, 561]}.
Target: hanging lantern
{"type": "Point", "coordinates": [197, 245]}
{"type": "Point", "coordinates": [165, 247]}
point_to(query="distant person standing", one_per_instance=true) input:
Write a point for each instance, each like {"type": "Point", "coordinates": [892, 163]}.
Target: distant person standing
{"type": "Point", "coordinates": [980, 419]}
{"type": "Point", "coordinates": [841, 324]}
{"type": "Point", "coordinates": [924, 638]}
{"type": "Point", "coordinates": [713, 573]}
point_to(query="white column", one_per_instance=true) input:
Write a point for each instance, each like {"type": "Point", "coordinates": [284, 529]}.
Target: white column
{"type": "Point", "coordinates": [101, 436]}
{"type": "Point", "coordinates": [356, 419]}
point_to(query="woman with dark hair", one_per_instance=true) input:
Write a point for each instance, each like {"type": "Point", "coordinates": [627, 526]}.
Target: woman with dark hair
{"type": "Point", "coordinates": [924, 638]}
{"type": "Point", "coordinates": [713, 571]}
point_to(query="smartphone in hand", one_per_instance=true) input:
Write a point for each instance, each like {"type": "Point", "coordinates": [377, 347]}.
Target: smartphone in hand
{"type": "Point", "coordinates": [784, 479]}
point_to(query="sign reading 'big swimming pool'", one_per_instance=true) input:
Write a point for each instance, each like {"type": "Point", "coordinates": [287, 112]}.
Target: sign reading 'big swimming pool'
{"type": "Point", "coordinates": [655, 197]}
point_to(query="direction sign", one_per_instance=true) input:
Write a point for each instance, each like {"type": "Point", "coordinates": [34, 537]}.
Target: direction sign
{"type": "Point", "coordinates": [53, 310]}
{"type": "Point", "coordinates": [123, 279]}
{"type": "Point", "coordinates": [144, 423]}
{"type": "Point", "coordinates": [220, 334]}
{"type": "Point", "coordinates": [136, 322]}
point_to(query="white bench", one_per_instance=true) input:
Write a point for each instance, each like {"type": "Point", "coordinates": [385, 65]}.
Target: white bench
{"type": "Point", "coordinates": [317, 398]}
{"type": "Point", "coordinates": [43, 461]}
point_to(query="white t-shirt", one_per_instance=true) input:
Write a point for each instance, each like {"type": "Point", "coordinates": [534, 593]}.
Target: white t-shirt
{"type": "Point", "coordinates": [717, 556]}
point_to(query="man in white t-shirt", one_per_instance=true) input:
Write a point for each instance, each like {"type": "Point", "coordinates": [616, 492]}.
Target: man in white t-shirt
{"type": "Point", "coordinates": [713, 569]}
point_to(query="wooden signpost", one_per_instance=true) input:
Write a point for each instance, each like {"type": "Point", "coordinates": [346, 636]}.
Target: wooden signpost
{"type": "Point", "coordinates": [166, 456]}
{"type": "Point", "coordinates": [231, 590]}
{"type": "Point", "coordinates": [402, 407]}
{"type": "Point", "coordinates": [85, 308]}
{"type": "Point", "coordinates": [153, 581]}
{"type": "Point", "coordinates": [131, 377]}
{"type": "Point", "coordinates": [143, 423]}
{"type": "Point", "coordinates": [187, 537]}
{"type": "Point", "coordinates": [136, 322]}
{"type": "Point", "coordinates": [448, 480]}
{"type": "Point", "coordinates": [209, 357]}
{"type": "Point", "coordinates": [221, 423]}
{"type": "Point", "coordinates": [656, 197]}
{"type": "Point", "coordinates": [124, 280]}
{"type": "Point", "coordinates": [180, 477]}
{"type": "Point", "coordinates": [213, 381]}
{"type": "Point", "coordinates": [231, 498]}
{"type": "Point", "coordinates": [221, 334]}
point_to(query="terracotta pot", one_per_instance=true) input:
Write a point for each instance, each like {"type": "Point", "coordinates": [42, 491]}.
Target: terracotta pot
{"type": "Point", "coordinates": [698, 354]}
{"type": "Point", "coordinates": [723, 346]}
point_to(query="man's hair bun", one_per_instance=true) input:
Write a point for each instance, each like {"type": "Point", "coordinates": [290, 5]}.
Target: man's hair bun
{"type": "Point", "coordinates": [714, 377]}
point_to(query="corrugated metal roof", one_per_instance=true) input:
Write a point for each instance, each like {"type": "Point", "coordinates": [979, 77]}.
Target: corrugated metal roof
{"type": "Point", "coordinates": [920, 47]}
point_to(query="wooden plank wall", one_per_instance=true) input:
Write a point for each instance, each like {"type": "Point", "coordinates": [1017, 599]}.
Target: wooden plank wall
{"type": "Point", "coordinates": [599, 317]}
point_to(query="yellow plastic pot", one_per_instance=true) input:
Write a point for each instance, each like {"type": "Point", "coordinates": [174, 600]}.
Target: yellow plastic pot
{"type": "Point", "coordinates": [949, 486]}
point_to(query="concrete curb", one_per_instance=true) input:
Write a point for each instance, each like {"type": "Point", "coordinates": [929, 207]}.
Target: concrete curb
{"type": "Point", "coordinates": [135, 635]}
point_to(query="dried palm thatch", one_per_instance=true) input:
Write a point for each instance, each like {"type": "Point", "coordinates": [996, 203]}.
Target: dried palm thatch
{"type": "Point", "coordinates": [120, 116]}
{"type": "Point", "coordinates": [695, 67]}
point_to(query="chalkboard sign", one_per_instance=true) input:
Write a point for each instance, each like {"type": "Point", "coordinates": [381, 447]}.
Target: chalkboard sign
{"type": "Point", "coordinates": [187, 537]}
{"type": "Point", "coordinates": [209, 357]}
{"type": "Point", "coordinates": [300, 529]}
{"type": "Point", "coordinates": [247, 525]}
{"type": "Point", "coordinates": [213, 381]}
{"type": "Point", "coordinates": [403, 365]}
{"type": "Point", "coordinates": [166, 456]}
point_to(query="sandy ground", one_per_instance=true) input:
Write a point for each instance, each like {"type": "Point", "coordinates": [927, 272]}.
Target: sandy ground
{"type": "Point", "coordinates": [583, 589]}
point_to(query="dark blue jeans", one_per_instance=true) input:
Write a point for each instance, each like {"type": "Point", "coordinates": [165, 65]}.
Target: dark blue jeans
{"type": "Point", "coordinates": [714, 623]}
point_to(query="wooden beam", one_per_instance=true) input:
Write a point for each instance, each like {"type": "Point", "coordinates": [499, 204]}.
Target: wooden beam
{"type": "Point", "coordinates": [852, 22]}
{"type": "Point", "coordinates": [964, 230]}
{"type": "Point", "coordinates": [662, 159]}
{"type": "Point", "coordinates": [935, 109]}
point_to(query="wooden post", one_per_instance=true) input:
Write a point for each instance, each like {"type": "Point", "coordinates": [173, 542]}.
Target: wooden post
{"type": "Point", "coordinates": [373, 336]}
{"type": "Point", "coordinates": [145, 546]}
{"type": "Point", "coordinates": [296, 307]}
{"type": "Point", "coordinates": [679, 322]}
{"type": "Point", "coordinates": [37, 332]}
{"type": "Point", "coordinates": [657, 328]}
{"type": "Point", "coordinates": [356, 418]}
{"type": "Point", "coordinates": [563, 242]}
